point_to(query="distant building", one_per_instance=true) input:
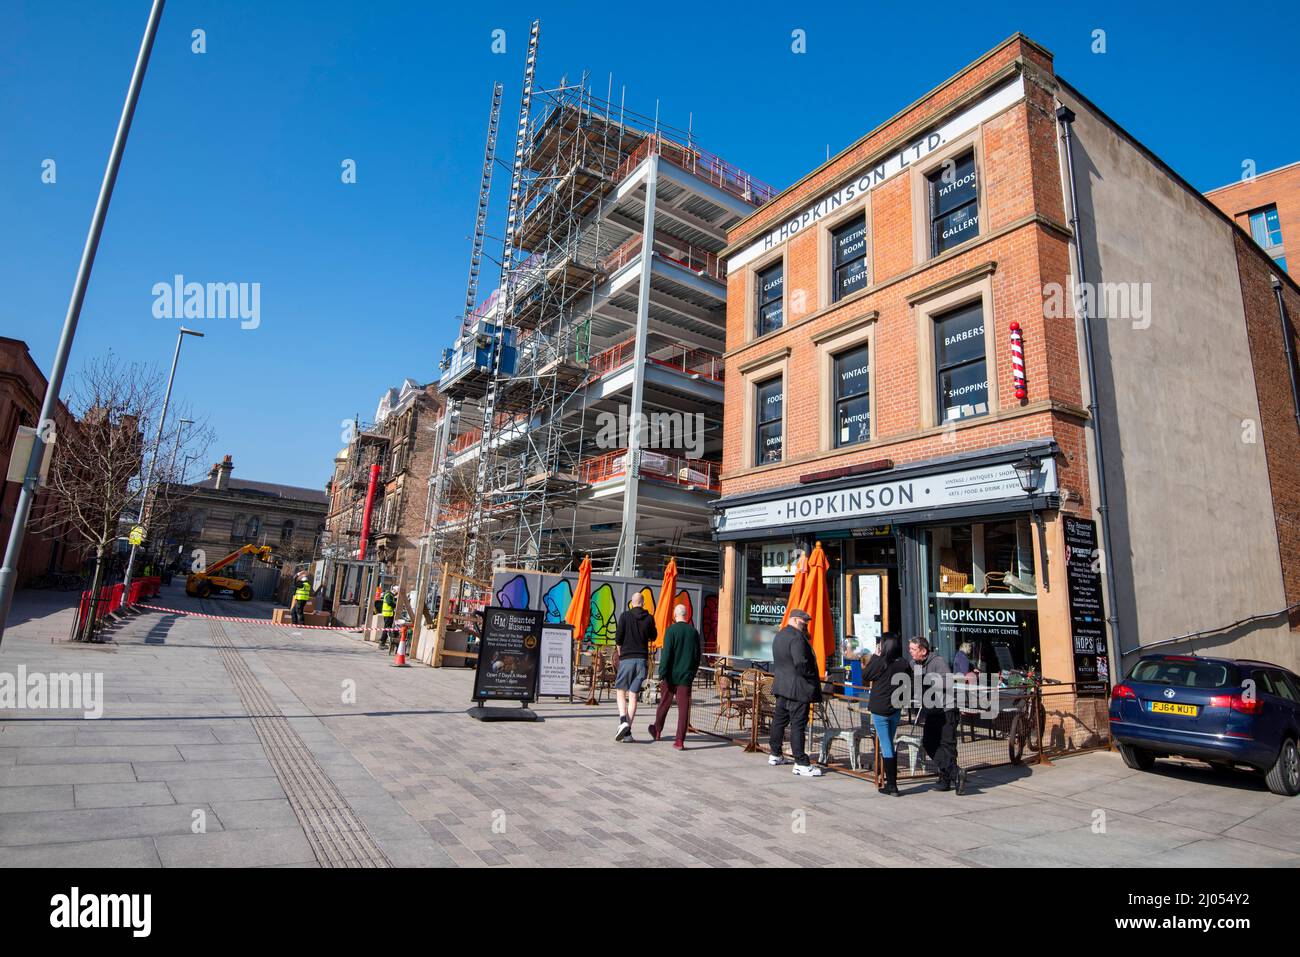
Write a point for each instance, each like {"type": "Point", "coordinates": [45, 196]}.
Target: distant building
{"type": "Point", "coordinates": [22, 389]}
{"type": "Point", "coordinates": [1267, 206]}
{"type": "Point", "coordinates": [224, 513]}
{"type": "Point", "coordinates": [401, 442]}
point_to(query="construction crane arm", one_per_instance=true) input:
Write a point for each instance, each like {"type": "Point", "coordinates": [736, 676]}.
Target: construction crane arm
{"type": "Point", "coordinates": [263, 553]}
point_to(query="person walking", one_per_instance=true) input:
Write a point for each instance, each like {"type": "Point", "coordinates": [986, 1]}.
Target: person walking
{"type": "Point", "coordinates": [633, 636]}
{"type": "Point", "coordinates": [679, 660]}
{"type": "Point", "coordinates": [301, 595]}
{"type": "Point", "coordinates": [939, 713]}
{"type": "Point", "coordinates": [796, 685]}
{"type": "Point", "coordinates": [881, 671]}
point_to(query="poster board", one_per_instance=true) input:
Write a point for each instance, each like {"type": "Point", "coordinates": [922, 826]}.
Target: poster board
{"type": "Point", "coordinates": [509, 655]}
{"type": "Point", "coordinates": [1087, 620]}
{"type": "Point", "coordinates": [555, 671]}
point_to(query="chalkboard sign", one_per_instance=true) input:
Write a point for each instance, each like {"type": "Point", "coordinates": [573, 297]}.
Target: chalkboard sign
{"type": "Point", "coordinates": [508, 655]}
{"type": "Point", "coordinates": [1087, 620]}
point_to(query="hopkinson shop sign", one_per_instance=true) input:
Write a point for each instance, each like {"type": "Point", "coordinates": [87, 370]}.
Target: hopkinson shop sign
{"type": "Point", "coordinates": [986, 484]}
{"type": "Point", "coordinates": [888, 168]}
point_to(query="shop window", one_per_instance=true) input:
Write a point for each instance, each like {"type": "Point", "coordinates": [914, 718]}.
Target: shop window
{"type": "Point", "coordinates": [849, 258]}
{"type": "Point", "coordinates": [981, 594]}
{"type": "Point", "coordinates": [961, 363]}
{"type": "Point", "coordinates": [769, 416]}
{"type": "Point", "coordinates": [771, 299]}
{"type": "Point", "coordinates": [766, 578]}
{"type": "Point", "coordinates": [852, 396]}
{"type": "Point", "coordinates": [954, 203]}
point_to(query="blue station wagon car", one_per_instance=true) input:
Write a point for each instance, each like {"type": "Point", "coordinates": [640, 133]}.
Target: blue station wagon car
{"type": "Point", "coordinates": [1222, 711]}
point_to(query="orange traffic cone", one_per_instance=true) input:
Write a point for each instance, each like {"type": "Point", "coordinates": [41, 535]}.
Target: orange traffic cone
{"type": "Point", "coordinates": [400, 660]}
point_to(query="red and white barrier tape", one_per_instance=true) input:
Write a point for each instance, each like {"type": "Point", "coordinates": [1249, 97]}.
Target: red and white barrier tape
{"type": "Point", "coordinates": [255, 621]}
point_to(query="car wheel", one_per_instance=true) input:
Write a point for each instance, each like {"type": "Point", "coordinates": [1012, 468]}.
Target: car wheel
{"type": "Point", "coordinates": [1136, 758]}
{"type": "Point", "coordinates": [1284, 776]}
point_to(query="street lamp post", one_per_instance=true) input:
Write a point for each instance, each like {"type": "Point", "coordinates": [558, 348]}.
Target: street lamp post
{"type": "Point", "coordinates": [9, 570]}
{"type": "Point", "coordinates": [171, 466]}
{"type": "Point", "coordinates": [153, 455]}
{"type": "Point", "coordinates": [1027, 472]}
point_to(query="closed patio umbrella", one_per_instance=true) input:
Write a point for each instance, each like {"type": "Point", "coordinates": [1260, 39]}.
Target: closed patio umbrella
{"type": "Point", "coordinates": [579, 613]}
{"type": "Point", "coordinates": [667, 595]}
{"type": "Point", "coordinates": [816, 600]}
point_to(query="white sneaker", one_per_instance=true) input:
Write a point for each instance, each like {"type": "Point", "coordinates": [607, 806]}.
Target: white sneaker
{"type": "Point", "coordinates": [808, 770]}
{"type": "Point", "coordinates": [624, 729]}
{"type": "Point", "coordinates": [775, 759]}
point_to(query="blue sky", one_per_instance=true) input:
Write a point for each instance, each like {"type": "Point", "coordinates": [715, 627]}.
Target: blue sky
{"type": "Point", "coordinates": [233, 169]}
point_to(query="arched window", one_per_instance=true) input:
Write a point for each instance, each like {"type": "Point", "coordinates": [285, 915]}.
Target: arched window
{"type": "Point", "coordinates": [286, 531]}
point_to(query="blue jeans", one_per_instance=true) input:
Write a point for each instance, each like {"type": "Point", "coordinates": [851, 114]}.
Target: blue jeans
{"type": "Point", "coordinates": [885, 728]}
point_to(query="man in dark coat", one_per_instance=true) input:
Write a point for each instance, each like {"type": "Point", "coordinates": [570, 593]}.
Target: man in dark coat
{"type": "Point", "coordinates": [939, 714]}
{"type": "Point", "coordinates": [796, 686]}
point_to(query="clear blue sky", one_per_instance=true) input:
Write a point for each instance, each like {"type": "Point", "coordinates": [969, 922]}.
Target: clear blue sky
{"type": "Point", "coordinates": [232, 172]}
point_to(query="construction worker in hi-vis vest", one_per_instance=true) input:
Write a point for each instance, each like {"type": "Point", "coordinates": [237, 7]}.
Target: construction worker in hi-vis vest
{"type": "Point", "coordinates": [387, 608]}
{"type": "Point", "coordinates": [301, 595]}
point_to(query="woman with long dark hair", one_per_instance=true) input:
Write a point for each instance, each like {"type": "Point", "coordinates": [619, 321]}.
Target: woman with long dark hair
{"type": "Point", "coordinates": [880, 670]}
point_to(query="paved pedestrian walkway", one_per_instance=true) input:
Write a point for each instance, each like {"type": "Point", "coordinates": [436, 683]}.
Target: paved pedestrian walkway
{"type": "Point", "coordinates": [229, 743]}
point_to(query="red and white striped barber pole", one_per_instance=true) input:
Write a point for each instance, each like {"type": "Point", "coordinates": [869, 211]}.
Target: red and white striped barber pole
{"type": "Point", "coordinates": [1018, 361]}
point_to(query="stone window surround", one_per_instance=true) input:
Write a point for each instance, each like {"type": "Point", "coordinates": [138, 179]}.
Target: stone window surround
{"type": "Point", "coordinates": [830, 343]}
{"type": "Point", "coordinates": [754, 373]}
{"type": "Point", "coordinates": [920, 185]}
{"type": "Point", "coordinates": [971, 286]}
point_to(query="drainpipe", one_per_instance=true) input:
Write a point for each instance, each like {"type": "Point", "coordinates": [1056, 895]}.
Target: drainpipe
{"type": "Point", "coordinates": [1288, 342]}
{"type": "Point", "coordinates": [1066, 118]}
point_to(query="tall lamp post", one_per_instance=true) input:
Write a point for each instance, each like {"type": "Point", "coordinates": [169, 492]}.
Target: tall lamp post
{"type": "Point", "coordinates": [153, 456]}
{"type": "Point", "coordinates": [1028, 469]}
{"type": "Point", "coordinates": [9, 570]}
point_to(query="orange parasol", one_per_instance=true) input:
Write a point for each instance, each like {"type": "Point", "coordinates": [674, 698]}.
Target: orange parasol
{"type": "Point", "coordinates": [816, 600]}
{"type": "Point", "coordinates": [796, 589]}
{"type": "Point", "coordinates": [579, 613]}
{"type": "Point", "coordinates": [667, 598]}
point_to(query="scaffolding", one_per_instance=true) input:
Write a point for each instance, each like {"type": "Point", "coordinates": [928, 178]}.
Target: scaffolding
{"type": "Point", "coordinates": [525, 381]}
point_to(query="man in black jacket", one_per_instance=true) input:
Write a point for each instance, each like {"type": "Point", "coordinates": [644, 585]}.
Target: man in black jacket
{"type": "Point", "coordinates": [939, 715]}
{"type": "Point", "coordinates": [796, 685]}
{"type": "Point", "coordinates": [635, 633]}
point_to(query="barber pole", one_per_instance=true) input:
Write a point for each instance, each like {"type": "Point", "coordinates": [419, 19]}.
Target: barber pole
{"type": "Point", "coordinates": [1017, 361]}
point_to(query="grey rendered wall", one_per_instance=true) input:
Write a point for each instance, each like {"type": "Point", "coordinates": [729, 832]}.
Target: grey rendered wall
{"type": "Point", "coordinates": [1194, 543]}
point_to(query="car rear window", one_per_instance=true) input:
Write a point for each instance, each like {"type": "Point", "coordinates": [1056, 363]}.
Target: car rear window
{"type": "Point", "coordinates": [1185, 674]}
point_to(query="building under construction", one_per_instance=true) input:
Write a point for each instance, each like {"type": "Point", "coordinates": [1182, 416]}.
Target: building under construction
{"type": "Point", "coordinates": [584, 395]}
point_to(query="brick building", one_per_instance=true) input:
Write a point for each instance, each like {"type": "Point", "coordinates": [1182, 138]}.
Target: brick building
{"type": "Point", "coordinates": [1267, 206]}
{"type": "Point", "coordinates": [22, 389]}
{"type": "Point", "coordinates": [873, 402]}
{"type": "Point", "coordinates": [401, 441]}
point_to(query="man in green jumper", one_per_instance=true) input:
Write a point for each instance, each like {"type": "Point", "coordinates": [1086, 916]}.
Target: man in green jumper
{"type": "Point", "coordinates": [679, 660]}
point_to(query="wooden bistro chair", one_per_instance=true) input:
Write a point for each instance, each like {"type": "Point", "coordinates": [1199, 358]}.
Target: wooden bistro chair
{"type": "Point", "coordinates": [735, 701]}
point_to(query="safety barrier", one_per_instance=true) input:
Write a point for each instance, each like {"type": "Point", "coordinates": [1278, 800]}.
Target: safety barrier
{"type": "Point", "coordinates": [694, 473]}
{"type": "Point", "coordinates": [708, 167]}
{"type": "Point", "coordinates": [701, 362]}
{"type": "Point", "coordinates": [672, 249]}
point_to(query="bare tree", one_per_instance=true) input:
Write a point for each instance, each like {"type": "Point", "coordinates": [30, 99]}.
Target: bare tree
{"type": "Point", "coordinates": [95, 476]}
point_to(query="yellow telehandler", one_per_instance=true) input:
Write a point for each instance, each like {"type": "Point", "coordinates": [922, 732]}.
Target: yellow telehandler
{"type": "Point", "coordinates": [208, 582]}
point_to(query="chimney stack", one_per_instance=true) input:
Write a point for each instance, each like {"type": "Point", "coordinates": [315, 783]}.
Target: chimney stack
{"type": "Point", "coordinates": [223, 473]}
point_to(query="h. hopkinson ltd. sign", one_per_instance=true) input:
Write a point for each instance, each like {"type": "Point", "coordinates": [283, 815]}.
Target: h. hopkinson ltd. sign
{"type": "Point", "coordinates": [888, 168]}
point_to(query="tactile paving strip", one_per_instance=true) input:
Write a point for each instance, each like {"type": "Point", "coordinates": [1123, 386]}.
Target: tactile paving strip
{"type": "Point", "coordinates": [337, 836]}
